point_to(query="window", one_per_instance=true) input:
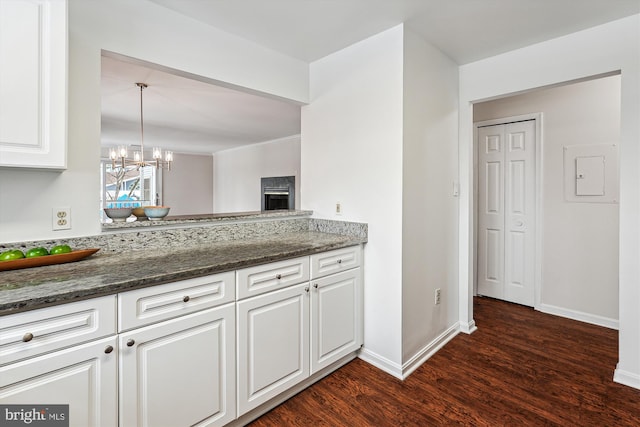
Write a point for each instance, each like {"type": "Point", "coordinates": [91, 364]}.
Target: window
{"type": "Point", "coordinates": [122, 188]}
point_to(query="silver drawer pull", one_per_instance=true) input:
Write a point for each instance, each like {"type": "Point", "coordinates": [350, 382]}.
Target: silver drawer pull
{"type": "Point", "coordinates": [27, 337]}
{"type": "Point", "coordinates": [278, 276]}
{"type": "Point", "coordinates": [130, 343]}
{"type": "Point", "coordinates": [186, 298]}
{"type": "Point", "coordinates": [315, 285]}
{"type": "Point", "coordinates": [306, 289]}
{"type": "Point", "coordinates": [108, 349]}
{"type": "Point", "coordinates": [339, 261]}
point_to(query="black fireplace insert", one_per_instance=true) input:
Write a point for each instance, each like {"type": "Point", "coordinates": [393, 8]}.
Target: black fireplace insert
{"type": "Point", "coordinates": [278, 193]}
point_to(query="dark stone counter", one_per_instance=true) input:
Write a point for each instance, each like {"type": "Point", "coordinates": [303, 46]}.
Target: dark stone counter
{"type": "Point", "coordinates": [205, 219]}
{"type": "Point", "coordinates": [109, 273]}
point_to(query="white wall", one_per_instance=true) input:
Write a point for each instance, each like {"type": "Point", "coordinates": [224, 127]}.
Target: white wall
{"type": "Point", "coordinates": [429, 209]}
{"type": "Point", "coordinates": [580, 240]}
{"type": "Point", "coordinates": [188, 187]}
{"type": "Point", "coordinates": [352, 153]}
{"type": "Point", "coordinates": [598, 50]}
{"type": "Point", "coordinates": [143, 30]}
{"type": "Point", "coordinates": [237, 173]}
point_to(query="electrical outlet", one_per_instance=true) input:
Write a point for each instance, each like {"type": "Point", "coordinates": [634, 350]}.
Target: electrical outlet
{"type": "Point", "coordinates": [338, 208]}
{"type": "Point", "coordinates": [437, 296]}
{"type": "Point", "coordinates": [61, 218]}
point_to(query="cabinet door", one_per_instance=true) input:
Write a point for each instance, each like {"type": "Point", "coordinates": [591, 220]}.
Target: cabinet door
{"type": "Point", "coordinates": [336, 317]}
{"type": "Point", "coordinates": [180, 372]}
{"type": "Point", "coordinates": [83, 377]}
{"type": "Point", "coordinates": [273, 344]}
{"type": "Point", "coordinates": [33, 83]}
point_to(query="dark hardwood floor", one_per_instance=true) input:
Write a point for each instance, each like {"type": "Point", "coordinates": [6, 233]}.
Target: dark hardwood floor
{"type": "Point", "coordinates": [521, 368]}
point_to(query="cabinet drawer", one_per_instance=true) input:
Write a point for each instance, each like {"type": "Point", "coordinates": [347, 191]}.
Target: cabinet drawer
{"type": "Point", "coordinates": [32, 333]}
{"type": "Point", "coordinates": [335, 261]}
{"type": "Point", "coordinates": [149, 305]}
{"type": "Point", "coordinates": [276, 275]}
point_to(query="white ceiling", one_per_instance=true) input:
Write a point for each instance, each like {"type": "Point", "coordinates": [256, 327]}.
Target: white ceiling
{"type": "Point", "coordinates": [191, 116]}
{"type": "Point", "coordinates": [466, 30]}
{"type": "Point", "coordinates": [186, 115]}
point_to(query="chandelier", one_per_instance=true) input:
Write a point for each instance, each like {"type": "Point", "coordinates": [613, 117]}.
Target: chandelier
{"type": "Point", "coordinates": [119, 157]}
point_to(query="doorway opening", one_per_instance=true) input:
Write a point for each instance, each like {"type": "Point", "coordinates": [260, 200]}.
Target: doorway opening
{"type": "Point", "coordinates": [577, 229]}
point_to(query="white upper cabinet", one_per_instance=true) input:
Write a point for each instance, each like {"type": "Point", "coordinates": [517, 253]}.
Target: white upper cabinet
{"type": "Point", "coordinates": [33, 83]}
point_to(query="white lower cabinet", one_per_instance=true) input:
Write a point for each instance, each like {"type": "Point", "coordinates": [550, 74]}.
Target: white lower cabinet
{"type": "Point", "coordinates": [273, 344]}
{"type": "Point", "coordinates": [82, 376]}
{"type": "Point", "coordinates": [336, 317]}
{"type": "Point", "coordinates": [289, 334]}
{"type": "Point", "coordinates": [63, 355]}
{"type": "Point", "coordinates": [198, 352]}
{"type": "Point", "coordinates": [180, 372]}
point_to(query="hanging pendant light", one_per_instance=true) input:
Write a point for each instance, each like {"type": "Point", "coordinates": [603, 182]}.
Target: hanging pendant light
{"type": "Point", "coordinates": [119, 156]}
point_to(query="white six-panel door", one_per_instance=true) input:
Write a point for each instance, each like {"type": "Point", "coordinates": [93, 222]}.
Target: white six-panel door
{"type": "Point", "coordinates": [506, 211]}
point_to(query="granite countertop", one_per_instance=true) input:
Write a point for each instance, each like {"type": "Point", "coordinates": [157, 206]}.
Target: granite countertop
{"type": "Point", "coordinates": [110, 273]}
{"type": "Point", "coordinates": [201, 219]}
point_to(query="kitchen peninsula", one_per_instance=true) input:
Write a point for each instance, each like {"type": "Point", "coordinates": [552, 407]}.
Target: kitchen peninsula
{"type": "Point", "coordinates": [244, 313]}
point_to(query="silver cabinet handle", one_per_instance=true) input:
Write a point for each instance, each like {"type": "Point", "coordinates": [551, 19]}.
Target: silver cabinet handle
{"type": "Point", "coordinates": [130, 343]}
{"type": "Point", "coordinates": [186, 298]}
{"type": "Point", "coordinates": [278, 276]}
{"type": "Point", "coordinates": [315, 285]}
{"type": "Point", "coordinates": [27, 337]}
{"type": "Point", "coordinates": [339, 261]}
{"type": "Point", "coordinates": [108, 349]}
{"type": "Point", "coordinates": [306, 289]}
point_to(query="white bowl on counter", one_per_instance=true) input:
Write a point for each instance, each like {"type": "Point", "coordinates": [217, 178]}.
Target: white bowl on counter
{"type": "Point", "coordinates": [155, 213]}
{"type": "Point", "coordinates": [118, 214]}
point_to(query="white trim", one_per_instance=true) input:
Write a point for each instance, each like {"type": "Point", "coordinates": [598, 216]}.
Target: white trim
{"type": "Point", "coordinates": [429, 350]}
{"type": "Point", "coordinates": [539, 197]}
{"type": "Point", "coordinates": [581, 316]}
{"type": "Point", "coordinates": [626, 378]}
{"type": "Point", "coordinates": [381, 363]}
{"type": "Point", "coordinates": [468, 328]}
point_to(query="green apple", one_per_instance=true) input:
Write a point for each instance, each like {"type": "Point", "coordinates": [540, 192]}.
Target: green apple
{"type": "Point", "coordinates": [60, 249]}
{"type": "Point", "coordinates": [11, 255]}
{"type": "Point", "coordinates": [34, 252]}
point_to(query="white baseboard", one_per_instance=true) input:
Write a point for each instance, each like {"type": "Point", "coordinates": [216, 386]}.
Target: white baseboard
{"type": "Point", "coordinates": [403, 371]}
{"type": "Point", "coordinates": [429, 350]}
{"type": "Point", "coordinates": [626, 378]}
{"type": "Point", "coordinates": [579, 315]}
{"type": "Point", "coordinates": [380, 362]}
{"type": "Point", "coordinates": [468, 328]}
